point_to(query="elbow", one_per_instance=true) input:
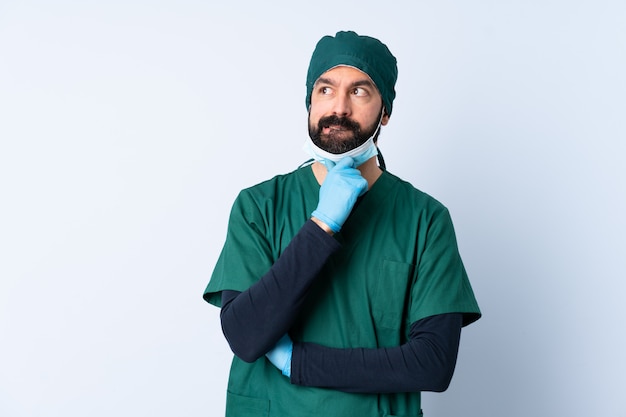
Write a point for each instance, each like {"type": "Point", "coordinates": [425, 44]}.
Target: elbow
{"type": "Point", "coordinates": [440, 386]}
{"type": "Point", "coordinates": [441, 379]}
{"type": "Point", "coordinates": [246, 355]}
{"type": "Point", "coordinates": [244, 349]}
{"type": "Point", "coordinates": [240, 341]}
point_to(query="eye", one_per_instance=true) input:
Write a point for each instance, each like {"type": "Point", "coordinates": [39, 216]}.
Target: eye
{"type": "Point", "coordinates": [359, 92]}
{"type": "Point", "coordinates": [325, 91]}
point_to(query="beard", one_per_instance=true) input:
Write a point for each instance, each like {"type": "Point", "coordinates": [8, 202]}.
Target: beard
{"type": "Point", "coordinates": [350, 135]}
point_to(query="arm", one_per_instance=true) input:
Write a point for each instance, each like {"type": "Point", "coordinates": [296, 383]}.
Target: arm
{"type": "Point", "coordinates": [254, 320]}
{"type": "Point", "coordinates": [278, 296]}
{"type": "Point", "coordinates": [425, 363]}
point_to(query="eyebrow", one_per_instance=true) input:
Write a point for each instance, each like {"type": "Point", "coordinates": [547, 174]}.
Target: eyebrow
{"type": "Point", "coordinates": [359, 83]}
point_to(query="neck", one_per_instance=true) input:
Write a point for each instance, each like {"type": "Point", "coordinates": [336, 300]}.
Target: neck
{"type": "Point", "coordinates": [369, 170]}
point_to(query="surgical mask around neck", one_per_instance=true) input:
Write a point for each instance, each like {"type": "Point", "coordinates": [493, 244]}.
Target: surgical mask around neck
{"type": "Point", "coordinates": [360, 154]}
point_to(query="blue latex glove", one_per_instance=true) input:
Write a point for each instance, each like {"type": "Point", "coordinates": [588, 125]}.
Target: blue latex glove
{"type": "Point", "coordinates": [338, 193]}
{"type": "Point", "coordinates": [280, 355]}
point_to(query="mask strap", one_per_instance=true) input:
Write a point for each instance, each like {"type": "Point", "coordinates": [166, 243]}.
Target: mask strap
{"type": "Point", "coordinates": [306, 163]}
{"type": "Point", "coordinates": [380, 124]}
{"type": "Point", "coordinates": [379, 157]}
{"type": "Point", "coordinates": [381, 160]}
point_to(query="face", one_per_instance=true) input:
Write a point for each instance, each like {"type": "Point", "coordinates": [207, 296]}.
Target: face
{"type": "Point", "coordinates": [345, 110]}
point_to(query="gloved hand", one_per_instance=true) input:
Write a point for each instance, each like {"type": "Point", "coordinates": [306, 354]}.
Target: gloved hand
{"type": "Point", "coordinates": [339, 191]}
{"type": "Point", "coordinates": [280, 355]}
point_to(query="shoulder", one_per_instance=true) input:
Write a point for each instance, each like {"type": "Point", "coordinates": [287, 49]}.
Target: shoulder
{"type": "Point", "coordinates": [403, 193]}
{"type": "Point", "coordinates": [276, 196]}
{"type": "Point", "coordinates": [280, 180]}
{"type": "Point", "coordinates": [275, 186]}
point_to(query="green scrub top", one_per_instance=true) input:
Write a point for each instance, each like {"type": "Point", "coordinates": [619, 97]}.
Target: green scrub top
{"type": "Point", "coordinates": [398, 263]}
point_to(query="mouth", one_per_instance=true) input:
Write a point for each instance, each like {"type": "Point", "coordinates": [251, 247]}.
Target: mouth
{"type": "Point", "coordinates": [334, 128]}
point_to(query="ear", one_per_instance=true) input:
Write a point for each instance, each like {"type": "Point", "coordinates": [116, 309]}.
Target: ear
{"type": "Point", "coordinates": [385, 119]}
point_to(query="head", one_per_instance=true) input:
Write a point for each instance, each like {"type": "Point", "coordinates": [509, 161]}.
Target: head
{"type": "Point", "coordinates": [350, 91]}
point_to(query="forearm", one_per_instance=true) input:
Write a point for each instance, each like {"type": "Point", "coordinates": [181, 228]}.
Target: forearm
{"type": "Point", "coordinates": [252, 321]}
{"type": "Point", "coordinates": [425, 363]}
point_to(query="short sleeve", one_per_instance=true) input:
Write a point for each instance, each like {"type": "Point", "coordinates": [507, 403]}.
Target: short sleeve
{"type": "Point", "coordinates": [442, 285]}
{"type": "Point", "coordinates": [246, 254]}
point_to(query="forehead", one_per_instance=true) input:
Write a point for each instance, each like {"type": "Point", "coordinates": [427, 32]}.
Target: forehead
{"type": "Point", "coordinates": [344, 74]}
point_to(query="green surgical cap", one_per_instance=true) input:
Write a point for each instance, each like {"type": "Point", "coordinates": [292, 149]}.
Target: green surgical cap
{"type": "Point", "coordinates": [362, 52]}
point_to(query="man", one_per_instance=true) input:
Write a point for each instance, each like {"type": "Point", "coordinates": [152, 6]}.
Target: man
{"type": "Point", "coordinates": [341, 286]}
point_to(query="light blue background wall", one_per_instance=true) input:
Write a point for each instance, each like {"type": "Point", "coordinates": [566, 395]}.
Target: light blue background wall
{"type": "Point", "coordinates": [127, 129]}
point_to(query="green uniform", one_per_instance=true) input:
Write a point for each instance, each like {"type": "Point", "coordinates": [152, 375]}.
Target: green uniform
{"type": "Point", "coordinates": [398, 263]}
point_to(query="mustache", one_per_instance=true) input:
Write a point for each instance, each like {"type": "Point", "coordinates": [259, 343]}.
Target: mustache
{"type": "Point", "coordinates": [338, 121]}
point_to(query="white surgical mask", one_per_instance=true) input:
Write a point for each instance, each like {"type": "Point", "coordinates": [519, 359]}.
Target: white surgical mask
{"type": "Point", "coordinates": [360, 154]}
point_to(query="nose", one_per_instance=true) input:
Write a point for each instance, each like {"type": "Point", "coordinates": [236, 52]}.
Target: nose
{"type": "Point", "coordinates": [341, 105]}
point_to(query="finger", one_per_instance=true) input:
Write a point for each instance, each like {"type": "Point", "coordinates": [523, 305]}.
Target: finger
{"type": "Point", "coordinates": [328, 164]}
{"type": "Point", "coordinates": [346, 162]}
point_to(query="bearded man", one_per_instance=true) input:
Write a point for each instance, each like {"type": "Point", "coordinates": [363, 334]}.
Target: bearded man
{"type": "Point", "coordinates": [341, 288]}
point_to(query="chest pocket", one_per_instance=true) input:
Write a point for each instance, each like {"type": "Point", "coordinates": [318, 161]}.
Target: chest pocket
{"type": "Point", "coordinates": [391, 299]}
